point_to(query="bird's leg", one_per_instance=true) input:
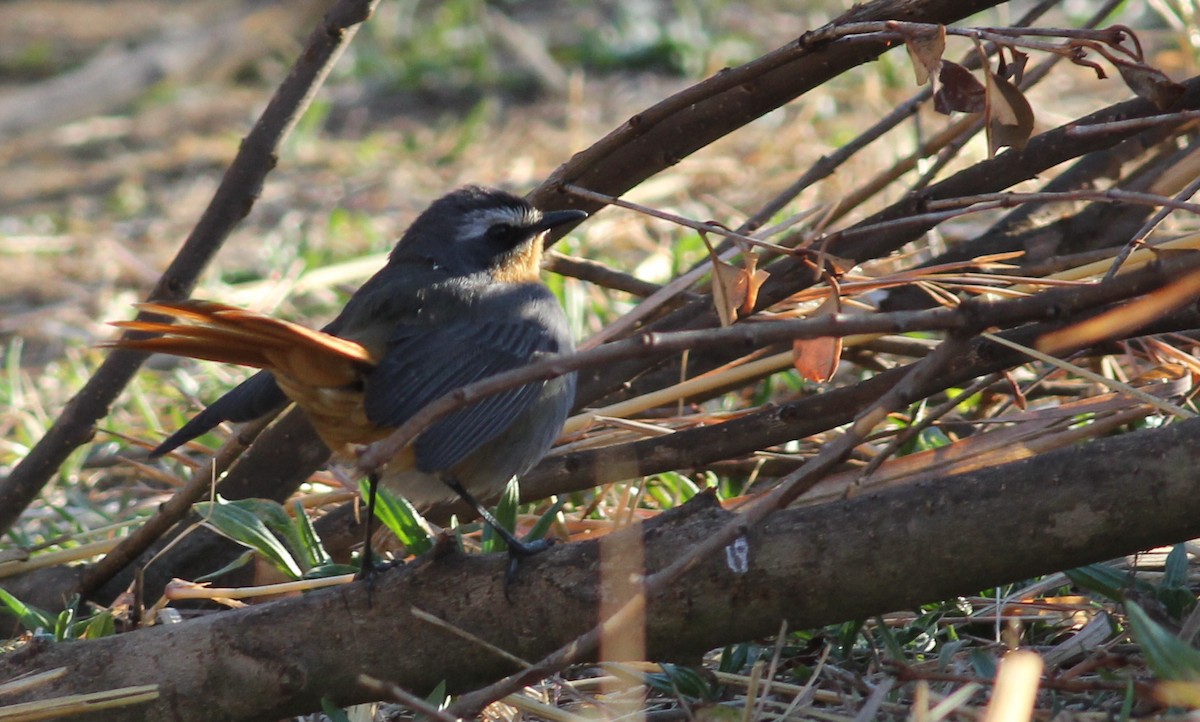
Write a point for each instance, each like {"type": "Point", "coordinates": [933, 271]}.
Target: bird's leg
{"type": "Point", "coordinates": [517, 549]}
{"type": "Point", "coordinates": [367, 569]}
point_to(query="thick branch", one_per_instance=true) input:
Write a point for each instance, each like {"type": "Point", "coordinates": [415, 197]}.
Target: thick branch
{"type": "Point", "coordinates": [1098, 501]}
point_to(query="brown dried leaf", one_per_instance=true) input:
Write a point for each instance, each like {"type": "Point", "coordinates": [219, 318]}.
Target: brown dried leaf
{"type": "Point", "coordinates": [1151, 84]}
{"type": "Point", "coordinates": [925, 47]}
{"type": "Point", "coordinates": [1010, 117]}
{"type": "Point", "coordinates": [729, 285]}
{"type": "Point", "coordinates": [836, 265]}
{"type": "Point", "coordinates": [753, 280]}
{"type": "Point", "coordinates": [1016, 69]}
{"type": "Point", "coordinates": [957, 89]}
{"type": "Point", "coordinates": [817, 358]}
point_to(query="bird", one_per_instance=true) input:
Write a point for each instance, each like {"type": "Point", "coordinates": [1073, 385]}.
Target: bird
{"type": "Point", "coordinates": [459, 299]}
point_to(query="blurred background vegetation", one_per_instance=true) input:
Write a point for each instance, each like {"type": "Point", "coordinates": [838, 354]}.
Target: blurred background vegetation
{"type": "Point", "coordinates": [117, 120]}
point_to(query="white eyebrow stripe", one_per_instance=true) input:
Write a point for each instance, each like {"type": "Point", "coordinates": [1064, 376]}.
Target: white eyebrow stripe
{"type": "Point", "coordinates": [476, 223]}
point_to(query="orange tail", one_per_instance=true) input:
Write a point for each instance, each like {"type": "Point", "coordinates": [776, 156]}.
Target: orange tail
{"type": "Point", "coordinates": [227, 334]}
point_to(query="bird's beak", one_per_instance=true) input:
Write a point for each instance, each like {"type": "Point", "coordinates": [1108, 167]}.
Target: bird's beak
{"type": "Point", "coordinates": [554, 219]}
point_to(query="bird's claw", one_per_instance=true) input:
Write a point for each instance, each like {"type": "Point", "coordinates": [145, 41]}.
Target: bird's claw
{"type": "Point", "coordinates": [370, 572]}
{"type": "Point", "coordinates": [518, 552]}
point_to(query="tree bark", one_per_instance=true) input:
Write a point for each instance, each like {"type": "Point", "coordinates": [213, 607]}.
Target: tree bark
{"type": "Point", "coordinates": [812, 567]}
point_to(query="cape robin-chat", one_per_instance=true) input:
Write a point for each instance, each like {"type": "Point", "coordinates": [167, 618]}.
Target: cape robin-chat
{"type": "Point", "coordinates": [460, 299]}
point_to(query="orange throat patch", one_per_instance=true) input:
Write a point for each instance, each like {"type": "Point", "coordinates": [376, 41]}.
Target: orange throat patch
{"type": "Point", "coordinates": [523, 264]}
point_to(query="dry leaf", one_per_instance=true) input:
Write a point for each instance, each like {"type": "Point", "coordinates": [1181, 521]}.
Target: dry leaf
{"type": "Point", "coordinates": [817, 358]}
{"type": "Point", "coordinates": [1015, 70]}
{"type": "Point", "coordinates": [754, 279]}
{"type": "Point", "coordinates": [1010, 117]}
{"type": "Point", "coordinates": [957, 89]}
{"type": "Point", "coordinates": [925, 47]}
{"type": "Point", "coordinates": [735, 290]}
{"type": "Point", "coordinates": [836, 265]}
{"type": "Point", "coordinates": [1151, 84]}
{"type": "Point", "coordinates": [729, 289]}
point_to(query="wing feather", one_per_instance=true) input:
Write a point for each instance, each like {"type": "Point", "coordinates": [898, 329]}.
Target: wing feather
{"type": "Point", "coordinates": [424, 363]}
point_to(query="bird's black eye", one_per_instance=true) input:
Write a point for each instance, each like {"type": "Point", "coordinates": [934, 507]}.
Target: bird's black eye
{"type": "Point", "coordinates": [505, 235]}
{"type": "Point", "coordinates": [500, 230]}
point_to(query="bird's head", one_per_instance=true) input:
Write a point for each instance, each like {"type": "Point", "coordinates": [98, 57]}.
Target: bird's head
{"type": "Point", "coordinates": [475, 229]}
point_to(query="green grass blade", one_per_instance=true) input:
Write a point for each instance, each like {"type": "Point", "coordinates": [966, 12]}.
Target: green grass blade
{"type": "Point", "coordinates": [1170, 657]}
{"type": "Point", "coordinates": [235, 521]}
{"type": "Point", "coordinates": [506, 514]}
{"type": "Point", "coordinates": [30, 617]}
{"type": "Point", "coordinates": [401, 518]}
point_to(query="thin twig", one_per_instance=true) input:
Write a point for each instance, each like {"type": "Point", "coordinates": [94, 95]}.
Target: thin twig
{"type": "Point", "coordinates": [381, 688]}
{"type": "Point", "coordinates": [598, 274]}
{"type": "Point", "coordinates": [1148, 227]}
{"type": "Point", "coordinates": [925, 422]}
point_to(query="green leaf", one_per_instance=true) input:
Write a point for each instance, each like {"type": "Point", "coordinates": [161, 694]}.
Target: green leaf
{"type": "Point", "coordinates": [65, 621]}
{"type": "Point", "coordinates": [329, 570]}
{"type": "Point", "coordinates": [931, 438]}
{"type": "Point", "coordinates": [1176, 570]}
{"type": "Point", "coordinates": [983, 663]}
{"type": "Point", "coordinates": [734, 659]}
{"type": "Point", "coordinates": [848, 635]}
{"type": "Point", "coordinates": [542, 527]}
{"type": "Point", "coordinates": [947, 652]}
{"type": "Point", "coordinates": [333, 712]}
{"type": "Point", "coordinates": [438, 697]}
{"type": "Point", "coordinates": [101, 625]}
{"type": "Point", "coordinates": [400, 517]}
{"type": "Point", "coordinates": [308, 541]}
{"type": "Point", "coordinates": [1102, 579]}
{"type": "Point", "coordinates": [234, 521]}
{"type": "Point", "coordinates": [670, 489]}
{"type": "Point", "coordinates": [506, 514]}
{"type": "Point", "coordinates": [687, 681]}
{"type": "Point", "coordinates": [31, 618]}
{"type": "Point", "coordinates": [281, 524]}
{"type": "Point", "coordinates": [1167, 655]}
{"type": "Point", "coordinates": [1127, 704]}
{"type": "Point", "coordinates": [890, 643]}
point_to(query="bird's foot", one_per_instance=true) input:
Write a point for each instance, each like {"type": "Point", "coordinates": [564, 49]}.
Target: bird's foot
{"type": "Point", "coordinates": [370, 571]}
{"type": "Point", "coordinates": [517, 552]}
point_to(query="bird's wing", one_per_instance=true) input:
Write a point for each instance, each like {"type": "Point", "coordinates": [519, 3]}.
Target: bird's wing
{"type": "Point", "coordinates": [423, 363]}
